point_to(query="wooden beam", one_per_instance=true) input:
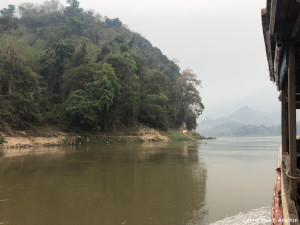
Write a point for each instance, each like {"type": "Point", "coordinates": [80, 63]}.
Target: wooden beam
{"type": "Point", "coordinates": [266, 33]}
{"type": "Point", "coordinates": [296, 26]}
{"type": "Point", "coordinates": [292, 118]}
{"type": "Point", "coordinates": [283, 68]}
{"type": "Point", "coordinates": [273, 16]}
{"type": "Point", "coordinates": [284, 121]}
{"type": "Point", "coordinates": [285, 160]}
{"type": "Point", "coordinates": [269, 54]}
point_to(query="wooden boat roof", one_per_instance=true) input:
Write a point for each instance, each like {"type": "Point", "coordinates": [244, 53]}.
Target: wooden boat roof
{"type": "Point", "coordinates": [281, 22]}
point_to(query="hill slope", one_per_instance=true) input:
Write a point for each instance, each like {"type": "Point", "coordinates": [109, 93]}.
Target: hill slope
{"type": "Point", "coordinates": [72, 68]}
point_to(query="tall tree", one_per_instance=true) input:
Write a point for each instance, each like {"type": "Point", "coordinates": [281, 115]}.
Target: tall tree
{"type": "Point", "coordinates": [7, 20]}
{"type": "Point", "coordinates": [188, 103]}
{"type": "Point", "coordinates": [19, 86]}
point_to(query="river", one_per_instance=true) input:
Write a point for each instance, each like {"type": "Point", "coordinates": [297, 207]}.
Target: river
{"type": "Point", "coordinates": [223, 181]}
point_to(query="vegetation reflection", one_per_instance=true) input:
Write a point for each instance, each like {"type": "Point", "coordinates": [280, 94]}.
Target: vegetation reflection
{"type": "Point", "coordinates": [114, 184]}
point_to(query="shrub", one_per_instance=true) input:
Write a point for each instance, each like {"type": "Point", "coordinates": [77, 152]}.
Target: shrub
{"type": "Point", "coordinates": [2, 139]}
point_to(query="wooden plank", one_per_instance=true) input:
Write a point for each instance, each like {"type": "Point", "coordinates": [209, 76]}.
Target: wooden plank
{"type": "Point", "coordinates": [266, 33]}
{"type": "Point", "coordinates": [296, 26]}
{"type": "Point", "coordinates": [273, 16]}
{"type": "Point", "coordinates": [285, 160]}
{"type": "Point", "coordinates": [283, 68]}
{"type": "Point", "coordinates": [292, 118]}
{"type": "Point", "coordinates": [284, 122]}
{"type": "Point", "coordinates": [269, 55]}
{"type": "Point", "coordinates": [283, 24]}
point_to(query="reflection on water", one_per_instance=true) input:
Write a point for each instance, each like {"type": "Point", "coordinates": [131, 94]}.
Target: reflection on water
{"type": "Point", "coordinates": [139, 184]}
{"type": "Point", "coordinates": [115, 184]}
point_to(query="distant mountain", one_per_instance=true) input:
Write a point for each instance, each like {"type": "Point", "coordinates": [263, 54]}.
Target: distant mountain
{"type": "Point", "coordinates": [265, 100]}
{"type": "Point", "coordinates": [243, 122]}
{"type": "Point", "coordinates": [246, 115]}
{"type": "Point", "coordinates": [238, 130]}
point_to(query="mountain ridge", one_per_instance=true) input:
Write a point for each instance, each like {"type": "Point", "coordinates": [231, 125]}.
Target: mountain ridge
{"type": "Point", "coordinates": [264, 100]}
{"type": "Point", "coordinates": [242, 119]}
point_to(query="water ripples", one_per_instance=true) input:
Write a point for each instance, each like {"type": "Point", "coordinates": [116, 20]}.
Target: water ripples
{"type": "Point", "coordinates": [260, 216]}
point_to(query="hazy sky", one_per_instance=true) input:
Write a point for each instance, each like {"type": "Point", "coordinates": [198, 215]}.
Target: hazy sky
{"type": "Point", "coordinates": [221, 41]}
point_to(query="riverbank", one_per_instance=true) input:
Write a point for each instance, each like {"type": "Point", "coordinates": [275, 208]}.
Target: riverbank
{"type": "Point", "coordinates": [51, 136]}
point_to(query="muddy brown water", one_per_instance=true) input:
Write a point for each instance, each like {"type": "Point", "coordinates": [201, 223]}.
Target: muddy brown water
{"type": "Point", "coordinates": [176, 183]}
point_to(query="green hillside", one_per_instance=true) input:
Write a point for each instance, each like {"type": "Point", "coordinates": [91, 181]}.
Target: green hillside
{"type": "Point", "coordinates": [74, 69]}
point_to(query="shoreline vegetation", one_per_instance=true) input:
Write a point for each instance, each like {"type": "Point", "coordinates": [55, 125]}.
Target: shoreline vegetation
{"type": "Point", "coordinates": [49, 136]}
{"type": "Point", "coordinates": [74, 70]}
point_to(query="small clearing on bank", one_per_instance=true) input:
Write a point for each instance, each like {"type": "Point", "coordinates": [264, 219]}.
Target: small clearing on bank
{"type": "Point", "coordinates": [149, 134]}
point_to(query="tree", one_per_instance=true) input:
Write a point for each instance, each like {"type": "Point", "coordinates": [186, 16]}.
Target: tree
{"type": "Point", "coordinates": [76, 78]}
{"type": "Point", "coordinates": [154, 101]}
{"type": "Point", "coordinates": [119, 56]}
{"type": "Point", "coordinates": [104, 90]}
{"type": "Point", "coordinates": [16, 75]}
{"type": "Point", "coordinates": [81, 54]}
{"type": "Point", "coordinates": [64, 51]}
{"type": "Point", "coordinates": [79, 111]}
{"type": "Point", "coordinates": [7, 20]}
{"type": "Point", "coordinates": [9, 12]}
{"type": "Point", "coordinates": [51, 7]}
{"type": "Point", "coordinates": [19, 85]}
{"type": "Point", "coordinates": [154, 111]}
{"type": "Point", "coordinates": [30, 15]}
{"type": "Point", "coordinates": [187, 102]}
{"type": "Point", "coordinates": [155, 82]}
{"type": "Point", "coordinates": [112, 22]}
{"type": "Point", "coordinates": [88, 108]}
{"type": "Point", "coordinates": [76, 18]}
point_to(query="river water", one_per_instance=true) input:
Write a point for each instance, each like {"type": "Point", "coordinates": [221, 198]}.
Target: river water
{"type": "Point", "coordinates": [223, 181]}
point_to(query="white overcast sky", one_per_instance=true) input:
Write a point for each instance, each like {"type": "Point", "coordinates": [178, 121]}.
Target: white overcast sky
{"type": "Point", "coordinates": [220, 40]}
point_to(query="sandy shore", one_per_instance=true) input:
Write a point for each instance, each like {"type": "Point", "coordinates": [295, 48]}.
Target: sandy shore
{"type": "Point", "coordinates": [19, 142]}
{"type": "Point", "coordinates": [54, 138]}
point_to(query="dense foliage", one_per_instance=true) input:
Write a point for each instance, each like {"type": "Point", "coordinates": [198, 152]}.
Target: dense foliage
{"type": "Point", "coordinates": [70, 67]}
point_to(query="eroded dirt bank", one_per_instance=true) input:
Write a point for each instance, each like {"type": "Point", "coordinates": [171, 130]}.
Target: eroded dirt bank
{"type": "Point", "coordinates": [53, 137]}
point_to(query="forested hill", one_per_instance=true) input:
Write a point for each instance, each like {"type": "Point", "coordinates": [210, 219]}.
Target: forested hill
{"type": "Point", "coordinates": [74, 69]}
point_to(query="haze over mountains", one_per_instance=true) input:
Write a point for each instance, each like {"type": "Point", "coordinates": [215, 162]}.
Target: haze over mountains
{"type": "Point", "coordinates": [243, 122]}
{"type": "Point", "coordinates": [257, 114]}
{"type": "Point", "coordinates": [265, 100]}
